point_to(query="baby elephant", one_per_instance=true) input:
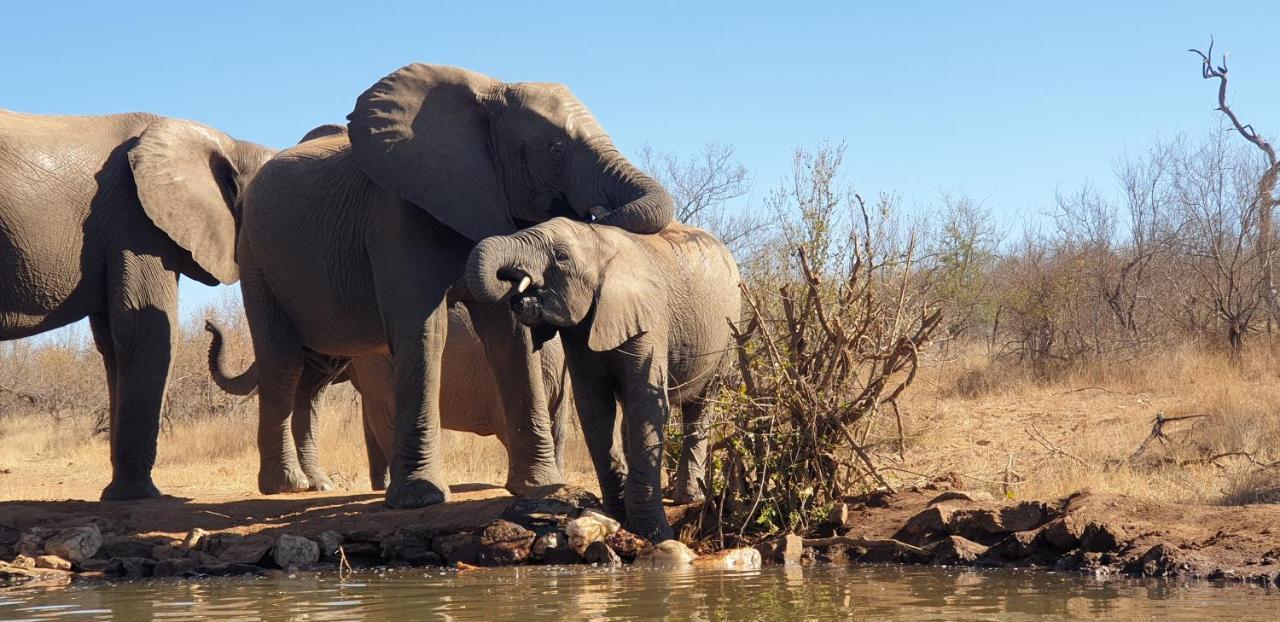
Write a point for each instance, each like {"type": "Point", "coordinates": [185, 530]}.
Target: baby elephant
{"type": "Point", "coordinates": [644, 321]}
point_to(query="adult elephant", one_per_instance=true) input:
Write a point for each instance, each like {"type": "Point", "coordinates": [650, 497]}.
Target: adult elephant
{"type": "Point", "coordinates": [98, 218]}
{"type": "Point", "coordinates": [469, 397]}
{"type": "Point", "coordinates": [349, 245]}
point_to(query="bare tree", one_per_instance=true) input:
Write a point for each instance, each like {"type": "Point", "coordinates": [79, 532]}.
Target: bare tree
{"type": "Point", "coordinates": [1266, 199]}
{"type": "Point", "coordinates": [703, 186]}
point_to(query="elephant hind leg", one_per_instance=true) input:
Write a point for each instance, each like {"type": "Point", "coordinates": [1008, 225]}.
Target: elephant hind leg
{"type": "Point", "coordinates": [278, 346]}
{"type": "Point", "coordinates": [317, 373]}
{"type": "Point", "coordinates": [691, 471]}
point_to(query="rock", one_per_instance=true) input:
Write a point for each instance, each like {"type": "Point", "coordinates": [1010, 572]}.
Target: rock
{"type": "Point", "coordinates": [590, 527]}
{"type": "Point", "coordinates": [977, 523]}
{"type": "Point", "coordinates": [788, 549]}
{"type": "Point", "coordinates": [75, 544]}
{"type": "Point", "coordinates": [174, 567]}
{"type": "Point", "coordinates": [956, 551]}
{"type": "Point", "coordinates": [838, 516]}
{"type": "Point", "coordinates": [504, 543]}
{"type": "Point", "coordinates": [962, 495]}
{"type": "Point", "coordinates": [216, 544]}
{"type": "Point", "coordinates": [1016, 546]}
{"type": "Point", "coordinates": [329, 542]}
{"type": "Point", "coordinates": [194, 539]}
{"type": "Point", "coordinates": [1163, 560]}
{"type": "Point", "coordinates": [457, 547]}
{"type": "Point", "coordinates": [13, 576]}
{"type": "Point", "coordinates": [599, 553]}
{"type": "Point", "coordinates": [666, 554]}
{"type": "Point", "coordinates": [245, 550]}
{"type": "Point", "coordinates": [627, 545]}
{"type": "Point", "coordinates": [127, 547]}
{"type": "Point", "coordinates": [138, 567]}
{"type": "Point", "coordinates": [362, 553]}
{"type": "Point", "coordinates": [372, 536]}
{"type": "Point", "coordinates": [104, 566]}
{"type": "Point", "coordinates": [730, 559]}
{"type": "Point", "coordinates": [1102, 537]}
{"type": "Point", "coordinates": [167, 551]}
{"type": "Point", "coordinates": [293, 551]}
{"type": "Point", "coordinates": [931, 520]}
{"type": "Point", "coordinates": [1063, 533]}
{"type": "Point", "coordinates": [29, 544]}
{"type": "Point", "coordinates": [226, 569]}
{"type": "Point", "coordinates": [411, 545]}
{"type": "Point", "coordinates": [24, 561]}
{"type": "Point", "coordinates": [53, 562]}
{"type": "Point", "coordinates": [9, 535]}
{"type": "Point", "coordinates": [553, 549]}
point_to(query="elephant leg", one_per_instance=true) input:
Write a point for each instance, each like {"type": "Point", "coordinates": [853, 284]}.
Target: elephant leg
{"type": "Point", "coordinates": [530, 444]}
{"type": "Point", "coordinates": [279, 350]}
{"type": "Point", "coordinates": [645, 411]}
{"type": "Point", "coordinates": [417, 478]}
{"type": "Point", "coordinates": [315, 378]}
{"type": "Point", "coordinates": [142, 321]}
{"type": "Point", "coordinates": [373, 378]}
{"type": "Point", "coordinates": [695, 427]}
{"type": "Point", "coordinates": [598, 414]}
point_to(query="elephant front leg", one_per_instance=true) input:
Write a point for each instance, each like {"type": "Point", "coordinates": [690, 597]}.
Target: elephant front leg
{"type": "Point", "coordinates": [598, 414]}
{"type": "Point", "coordinates": [142, 347]}
{"type": "Point", "coordinates": [416, 473]}
{"type": "Point", "coordinates": [645, 412]}
{"type": "Point", "coordinates": [529, 439]}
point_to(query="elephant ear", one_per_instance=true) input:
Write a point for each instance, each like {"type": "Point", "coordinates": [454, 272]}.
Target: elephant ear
{"type": "Point", "coordinates": [424, 133]}
{"type": "Point", "coordinates": [187, 183]}
{"type": "Point", "coordinates": [630, 301]}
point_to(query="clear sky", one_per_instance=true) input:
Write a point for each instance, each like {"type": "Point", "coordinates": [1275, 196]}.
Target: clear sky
{"type": "Point", "coordinates": [1003, 101]}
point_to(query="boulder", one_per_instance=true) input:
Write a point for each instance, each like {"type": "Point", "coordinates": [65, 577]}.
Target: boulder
{"type": "Point", "coordinates": [138, 567]}
{"type": "Point", "coordinates": [553, 549]}
{"type": "Point", "coordinates": [75, 544]}
{"type": "Point", "coordinates": [788, 549]}
{"type": "Point", "coordinates": [14, 576]}
{"type": "Point", "coordinates": [24, 561]}
{"type": "Point", "coordinates": [1016, 546]}
{"type": "Point", "coordinates": [293, 551]}
{"type": "Point", "coordinates": [195, 539]}
{"type": "Point", "coordinates": [979, 523]}
{"type": "Point", "coordinates": [504, 543]}
{"type": "Point", "coordinates": [599, 553]}
{"type": "Point", "coordinates": [127, 547]}
{"type": "Point", "coordinates": [627, 545]}
{"type": "Point", "coordinates": [104, 566]}
{"type": "Point", "coordinates": [411, 545]}
{"type": "Point", "coordinates": [29, 544]}
{"type": "Point", "coordinates": [668, 553]}
{"type": "Point", "coordinates": [362, 553]}
{"type": "Point", "coordinates": [1063, 533]}
{"type": "Point", "coordinates": [174, 567]}
{"type": "Point", "coordinates": [730, 559]}
{"type": "Point", "coordinates": [962, 495]}
{"type": "Point", "coordinates": [245, 550]}
{"type": "Point", "coordinates": [165, 551]}
{"type": "Point", "coordinates": [957, 551]}
{"type": "Point", "coordinates": [53, 562]}
{"type": "Point", "coordinates": [457, 547]}
{"type": "Point", "coordinates": [1103, 537]}
{"type": "Point", "coordinates": [330, 541]}
{"type": "Point", "coordinates": [1163, 560]}
{"type": "Point", "coordinates": [590, 527]}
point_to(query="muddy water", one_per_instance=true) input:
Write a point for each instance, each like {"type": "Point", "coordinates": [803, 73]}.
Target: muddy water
{"type": "Point", "coordinates": [915, 594]}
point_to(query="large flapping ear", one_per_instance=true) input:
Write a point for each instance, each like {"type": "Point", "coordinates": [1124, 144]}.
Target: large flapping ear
{"type": "Point", "coordinates": [187, 183]}
{"type": "Point", "coordinates": [631, 299]}
{"type": "Point", "coordinates": [424, 133]}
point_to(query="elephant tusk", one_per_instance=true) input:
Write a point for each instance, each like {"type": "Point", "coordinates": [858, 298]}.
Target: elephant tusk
{"type": "Point", "coordinates": [524, 284]}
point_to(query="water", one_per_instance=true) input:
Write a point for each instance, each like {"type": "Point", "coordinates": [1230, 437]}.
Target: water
{"type": "Point", "coordinates": [571, 594]}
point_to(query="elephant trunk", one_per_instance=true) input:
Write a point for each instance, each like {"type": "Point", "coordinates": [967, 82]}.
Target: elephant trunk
{"type": "Point", "coordinates": [245, 383]}
{"type": "Point", "coordinates": [493, 269]}
{"type": "Point", "coordinates": [637, 202]}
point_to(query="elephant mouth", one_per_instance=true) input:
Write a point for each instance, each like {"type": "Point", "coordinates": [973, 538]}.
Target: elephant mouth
{"type": "Point", "coordinates": [528, 308]}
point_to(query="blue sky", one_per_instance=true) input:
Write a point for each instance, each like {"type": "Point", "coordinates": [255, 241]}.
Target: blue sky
{"type": "Point", "coordinates": [1002, 101]}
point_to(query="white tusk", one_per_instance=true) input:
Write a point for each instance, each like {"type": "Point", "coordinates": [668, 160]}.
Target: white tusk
{"type": "Point", "coordinates": [524, 284]}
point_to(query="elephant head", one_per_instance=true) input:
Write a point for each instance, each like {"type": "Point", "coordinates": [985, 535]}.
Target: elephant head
{"type": "Point", "coordinates": [564, 273]}
{"type": "Point", "coordinates": [189, 178]}
{"type": "Point", "coordinates": [486, 157]}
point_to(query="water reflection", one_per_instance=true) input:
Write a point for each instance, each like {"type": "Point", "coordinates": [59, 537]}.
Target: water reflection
{"type": "Point", "coordinates": [915, 594]}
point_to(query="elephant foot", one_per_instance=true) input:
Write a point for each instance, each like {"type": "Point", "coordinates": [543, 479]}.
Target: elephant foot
{"type": "Point", "coordinates": [520, 485]}
{"type": "Point", "coordinates": [319, 482]}
{"type": "Point", "coordinates": [274, 482]}
{"type": "Point", "coordinates": [415, 493]}
{"type": "Point", "coordinates": [131, 490]}
{"type": "Point", "coordinates": [654, 531]}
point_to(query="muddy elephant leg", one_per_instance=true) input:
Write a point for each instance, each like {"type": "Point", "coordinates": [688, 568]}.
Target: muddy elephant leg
{"type": "Point", "coordinates": [314, 380]}
{"type": "Point", "coordinates": [530, 444]}
{"type": "Point", "coordinates": [695, 424]}
{"type": "Point", "coordinates": [645, 411]}
{"type": "Point", "coordinates": [598, 415]}
{"type": "Point", "coordinates": [142, 321]}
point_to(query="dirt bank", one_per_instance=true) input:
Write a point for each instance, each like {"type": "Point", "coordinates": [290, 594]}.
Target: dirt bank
{"type": "Point", "coordinates": [1102, 534]}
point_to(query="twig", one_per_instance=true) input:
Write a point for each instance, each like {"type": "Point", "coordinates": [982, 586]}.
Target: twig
{"type": "Point", "coordinates": [344, 566]}
{"type": "Point", "coordinates": [1039, 437]}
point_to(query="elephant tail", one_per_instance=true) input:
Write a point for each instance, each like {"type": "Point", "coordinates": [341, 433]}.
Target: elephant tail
{"type": "Point", "coordinates": [245, 383]}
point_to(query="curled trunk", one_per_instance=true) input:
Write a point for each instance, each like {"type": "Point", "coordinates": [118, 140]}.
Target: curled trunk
{"type": "Point", "coordinates": [492, 269]}
{"type": "Point", "coordinates": [637, 202]}
{"type": "Point", "coordinates": [245, 383]}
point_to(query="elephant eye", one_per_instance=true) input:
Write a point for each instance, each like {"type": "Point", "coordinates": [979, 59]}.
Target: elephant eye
{"type": "Point", "coordinates": [557, 150]}
{"type": "Point", "coordinates": [561, 253]}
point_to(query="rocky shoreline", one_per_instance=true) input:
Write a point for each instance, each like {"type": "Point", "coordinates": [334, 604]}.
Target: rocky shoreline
{"type": "Point", "coordinates": [1103, 535]}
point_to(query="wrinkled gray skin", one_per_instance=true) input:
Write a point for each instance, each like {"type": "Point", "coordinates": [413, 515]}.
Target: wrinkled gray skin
{"type": "Point", "coordinates": [469, 399]}
{"type": "Point", "coordinates": [98, 218]}
{"type": "Point", "coordinates": [644, 320]}
{"type": "Point", "coordinates": [348, 248]}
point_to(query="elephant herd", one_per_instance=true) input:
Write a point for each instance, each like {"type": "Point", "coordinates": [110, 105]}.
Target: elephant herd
{"type": "Point", "coordinates": [469, 253]}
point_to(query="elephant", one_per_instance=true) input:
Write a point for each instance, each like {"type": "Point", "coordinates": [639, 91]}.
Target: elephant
{"type": "Point", "coordinates": [469, 399]}
{"type": "Point", "coordinates": [645, 322]}
{"type": "Point", "coordinates": [99, 215]}
{"type": "Point", "coordinates": [350, 243]}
